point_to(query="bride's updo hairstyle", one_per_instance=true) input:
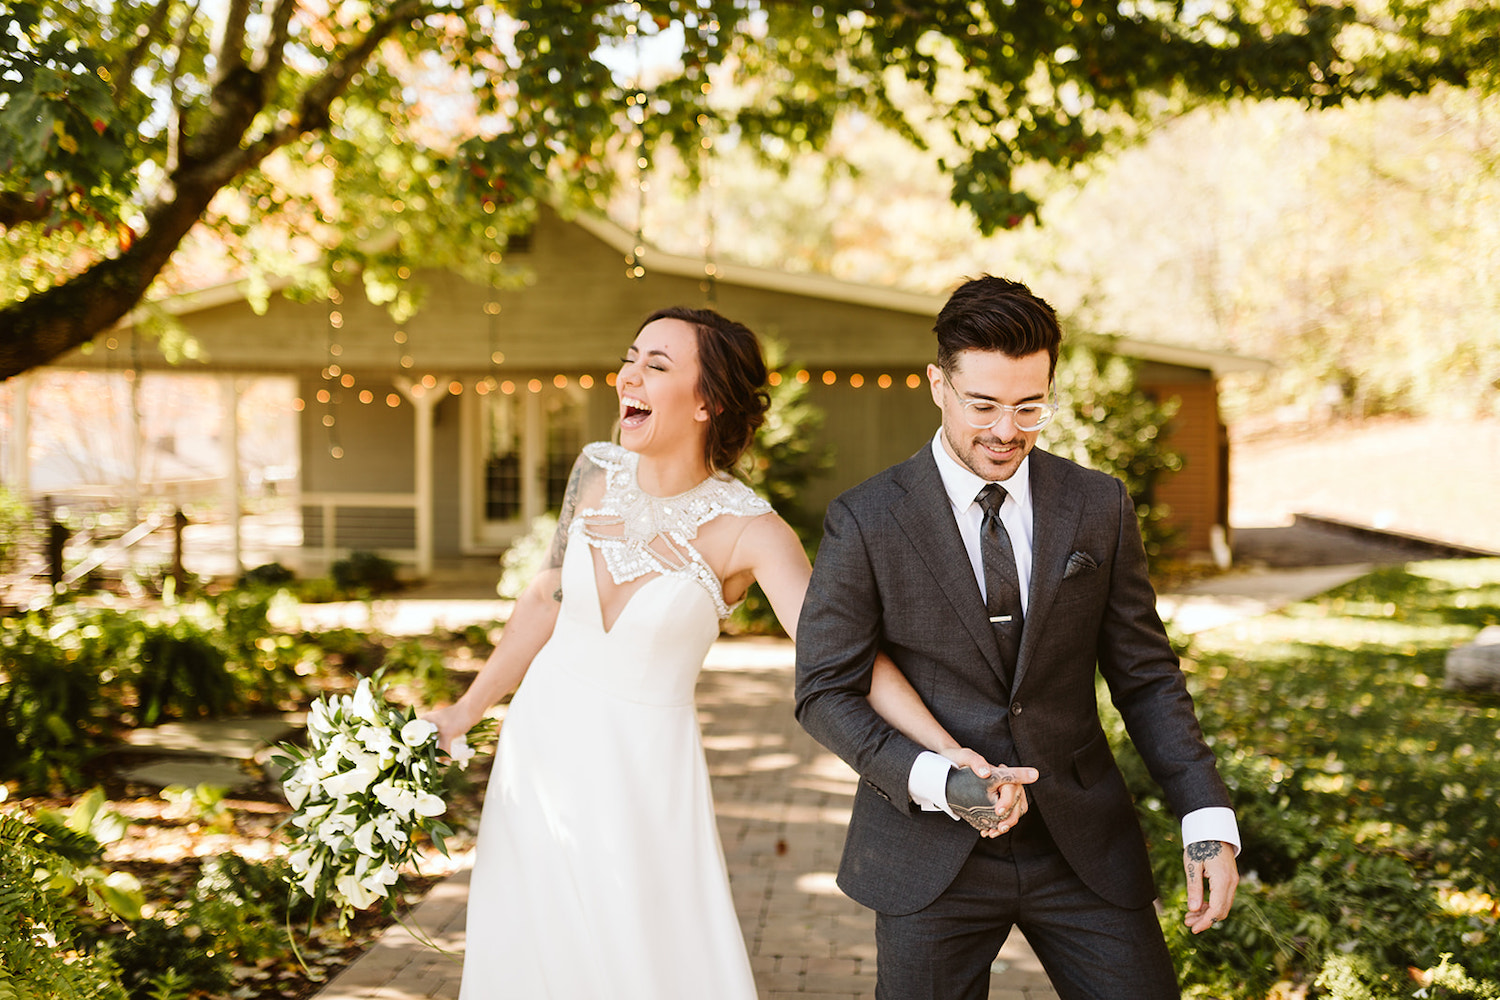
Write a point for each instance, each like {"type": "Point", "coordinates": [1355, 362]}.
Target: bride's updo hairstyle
{"type": "Point", "coordinates": [731, 381]}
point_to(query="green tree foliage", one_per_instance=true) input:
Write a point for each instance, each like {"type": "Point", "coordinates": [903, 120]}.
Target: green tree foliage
{"type": "Point", "coordinates": [1353, 248]}
{"type": "Point", "coordinates": [387, 133]}
{"type": "Point", "coordinates": [1105, 422]}
{"type": "Point", "coordinates": [15, 527]}
{"type": "Point", "coordinates": [785, 455]}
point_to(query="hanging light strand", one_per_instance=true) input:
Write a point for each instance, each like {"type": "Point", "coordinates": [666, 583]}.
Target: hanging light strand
{"type": "Point", "coordinates": [709, 180]}
{"type": "Point", "coordinates": [636, 112]}
{"type": "Point", "coordinates": [333, 373]}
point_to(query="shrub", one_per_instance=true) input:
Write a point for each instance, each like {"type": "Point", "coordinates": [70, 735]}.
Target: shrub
{"type": "Point", "coordinates": [785, 456]}
{"type": "Point", "coordinates": [179, 671]}
{"type": "Point", "coordinates": [267, 575]}
{"type": "Point", "coordinates": [269, 669]}
{"type": "Point", "coordinates": [526, 556]}
{"type": "Point", "coordinates": [52, 700]}
{"type": "Point", "coordinates": [246, 907]}
{"type": "Point", "coordinates": [413, 663]}
{"type": "Point", "coordinates": [155, 952]}
{"type": "Point", "coordinates": [16, 527]}
{"type": "Point", "coordinates": [1106, 423]}
{"type": "Point", "coordinates": [780, 464]}
{"type": "Point", "coordinates": [365, 573]}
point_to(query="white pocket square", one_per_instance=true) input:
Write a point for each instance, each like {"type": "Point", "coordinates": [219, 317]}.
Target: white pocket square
{"type": "Point", "coordinates": [1079, 562]}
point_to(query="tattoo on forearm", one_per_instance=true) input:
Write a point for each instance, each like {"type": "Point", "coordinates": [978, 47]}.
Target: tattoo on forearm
{"type": "Point", "coordinates": [565, 519]}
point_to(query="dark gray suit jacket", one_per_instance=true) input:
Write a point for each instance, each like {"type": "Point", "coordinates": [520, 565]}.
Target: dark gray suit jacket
{"type": "Point", "coordinates": [892, 574]}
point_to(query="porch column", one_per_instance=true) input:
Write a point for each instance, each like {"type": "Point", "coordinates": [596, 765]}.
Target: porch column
{"type": "Point", "coordinates": [229, 396]}
{"type": "Point", "coordinates": [424, 401]}
{"type": "Point", "coordinates": [18, 462]}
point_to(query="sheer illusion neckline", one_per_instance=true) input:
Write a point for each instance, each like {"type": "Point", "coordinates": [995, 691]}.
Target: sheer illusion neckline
{"type": "Point", "coordinates": [638, 533]}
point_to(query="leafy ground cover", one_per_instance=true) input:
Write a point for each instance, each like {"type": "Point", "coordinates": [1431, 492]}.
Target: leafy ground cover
{"type": "Point", "coordinates": [1366, 794]}
{"type": "Point", "coordinates": [213, 917]}
{"type": "Point", "coordinates": [114, 889]}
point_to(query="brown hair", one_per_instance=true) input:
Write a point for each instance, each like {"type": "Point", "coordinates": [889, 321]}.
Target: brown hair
{"type": "Point", "coordinates": [731, 380]}
{"type": "Point", "coordinates": [996, 314]}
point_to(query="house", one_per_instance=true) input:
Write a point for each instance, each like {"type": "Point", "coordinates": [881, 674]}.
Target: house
{"type": "Point", "coordinates": [441, 437]}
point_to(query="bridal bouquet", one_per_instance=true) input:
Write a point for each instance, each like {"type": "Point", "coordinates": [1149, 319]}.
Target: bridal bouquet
{"type": "Point", "coordinates": [367, 784]}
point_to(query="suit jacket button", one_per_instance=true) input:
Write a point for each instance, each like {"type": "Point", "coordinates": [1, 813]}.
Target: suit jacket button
{"type": "Point", "coordinates": [1015, 709]}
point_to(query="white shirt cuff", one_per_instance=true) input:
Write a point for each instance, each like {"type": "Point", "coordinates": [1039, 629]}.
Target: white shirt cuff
{"type": "Point", "coordinates": [928, 782]}
{"type": "Point", "coordinates": [1212, 823]}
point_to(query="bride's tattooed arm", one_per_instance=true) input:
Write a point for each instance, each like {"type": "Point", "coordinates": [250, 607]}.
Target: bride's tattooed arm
{"type": "Point", "coordinates": [584, 472]}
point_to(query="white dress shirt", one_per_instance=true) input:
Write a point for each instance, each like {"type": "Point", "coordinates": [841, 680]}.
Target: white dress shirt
{"type": "Point", "coordinates": [928, 782]}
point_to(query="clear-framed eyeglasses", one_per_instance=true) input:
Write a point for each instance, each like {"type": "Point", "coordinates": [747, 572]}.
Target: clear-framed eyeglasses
{"type": "Point", "coordinates": [982, 414]}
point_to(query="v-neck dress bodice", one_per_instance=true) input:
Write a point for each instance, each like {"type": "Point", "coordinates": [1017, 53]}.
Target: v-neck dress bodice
{"type": "Point", "coordinates": [599, 871]}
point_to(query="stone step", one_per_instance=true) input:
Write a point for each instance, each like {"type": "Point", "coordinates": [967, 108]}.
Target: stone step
{"type": "Point", "coordinates": [235, 738]}
{"type": "Point", "coordinates": [211, 751]}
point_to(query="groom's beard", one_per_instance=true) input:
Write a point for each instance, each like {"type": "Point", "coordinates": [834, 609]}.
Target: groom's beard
{"type": "Point", "coordinates": [971, 449]}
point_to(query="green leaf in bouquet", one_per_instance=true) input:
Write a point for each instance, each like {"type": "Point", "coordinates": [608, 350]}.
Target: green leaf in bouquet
{"type": "Point", "coordinates": [439, 832]}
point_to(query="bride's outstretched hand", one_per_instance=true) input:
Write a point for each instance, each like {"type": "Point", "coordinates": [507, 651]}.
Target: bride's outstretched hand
{"type": "Point", "coordinates": [990, 798]}
{"type": "Point", "coordinates": [451, 723]}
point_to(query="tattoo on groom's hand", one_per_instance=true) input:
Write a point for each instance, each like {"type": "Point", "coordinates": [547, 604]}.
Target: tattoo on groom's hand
{"type": "Point", "coordinates": [973, 798]}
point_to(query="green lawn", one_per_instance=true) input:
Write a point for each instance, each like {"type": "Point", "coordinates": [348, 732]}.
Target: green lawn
{"type": "Point", "coordinates": [1366, 795]}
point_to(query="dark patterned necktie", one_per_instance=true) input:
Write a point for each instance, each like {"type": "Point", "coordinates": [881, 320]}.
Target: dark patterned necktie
{"type": "Point", "coordinates": [1002, 582]}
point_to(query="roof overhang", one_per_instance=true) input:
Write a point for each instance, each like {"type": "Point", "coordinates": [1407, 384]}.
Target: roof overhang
{"type": "Point", "coordinates": [808, 285]}
{"type": "Point", "coordinates": [918, 303]}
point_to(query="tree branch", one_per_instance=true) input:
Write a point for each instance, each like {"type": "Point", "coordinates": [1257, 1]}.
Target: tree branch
{"type": "Point", "coordinates": [312, 109]}
{"type": "Point", "coordinates": [174, 91]}
{"type": "Point", "coordinates": [229, 50]}
{"type": "Point", "coordinates": [43, 327]}
{"type": "Point", "coordinates": [17, 208]}
{"type": "Point", "coordinates": [274, 54]}
{"type": "Point", "coordinates": [124, 67]}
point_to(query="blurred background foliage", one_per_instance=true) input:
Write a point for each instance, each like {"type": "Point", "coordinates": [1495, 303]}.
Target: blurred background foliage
{"type": "Point", "coordinates": [1353, 247]}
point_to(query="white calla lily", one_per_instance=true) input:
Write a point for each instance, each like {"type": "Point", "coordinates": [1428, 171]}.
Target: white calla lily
{"type": "Point", "coordinates": [417, 732]}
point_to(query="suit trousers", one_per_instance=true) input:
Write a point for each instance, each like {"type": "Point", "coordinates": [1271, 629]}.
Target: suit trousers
{"type": "Point", "coordinates": [1090, 948]}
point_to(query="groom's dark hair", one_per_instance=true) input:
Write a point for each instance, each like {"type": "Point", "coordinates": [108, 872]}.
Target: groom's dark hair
{"type": "Point", "coordinates": [731, 381]}
{"type": "Point", "coordinates": [996, 314]}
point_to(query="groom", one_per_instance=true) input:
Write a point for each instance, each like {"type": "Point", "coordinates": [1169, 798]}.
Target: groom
{"type": "Point", "coordinates": [999, 602]}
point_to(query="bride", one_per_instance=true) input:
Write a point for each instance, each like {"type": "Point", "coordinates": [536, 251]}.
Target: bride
{"type": "Point", "coordinates": [599, 872]}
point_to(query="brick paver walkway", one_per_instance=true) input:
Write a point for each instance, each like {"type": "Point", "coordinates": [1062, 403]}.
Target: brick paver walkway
{"type": "Point", "coordinates": [783, 805]}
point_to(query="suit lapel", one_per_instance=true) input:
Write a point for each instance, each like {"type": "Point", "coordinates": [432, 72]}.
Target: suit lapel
{"type": "Point", "coordinates": [926, 516]}
{"type": "Point", "coordinates": [1055, 513]}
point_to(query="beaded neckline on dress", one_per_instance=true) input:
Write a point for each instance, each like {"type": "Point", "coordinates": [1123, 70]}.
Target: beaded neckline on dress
{"type": "Point", "coordinates": [639, 533]}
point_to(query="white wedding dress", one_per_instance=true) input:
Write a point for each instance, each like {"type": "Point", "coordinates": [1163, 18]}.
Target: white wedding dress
{"type": "Point", "coordinates": [599, 872]}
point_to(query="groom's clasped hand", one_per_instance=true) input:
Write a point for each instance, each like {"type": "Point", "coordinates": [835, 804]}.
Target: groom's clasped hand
{"type": "Point", "coordinates": [990, 799]}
